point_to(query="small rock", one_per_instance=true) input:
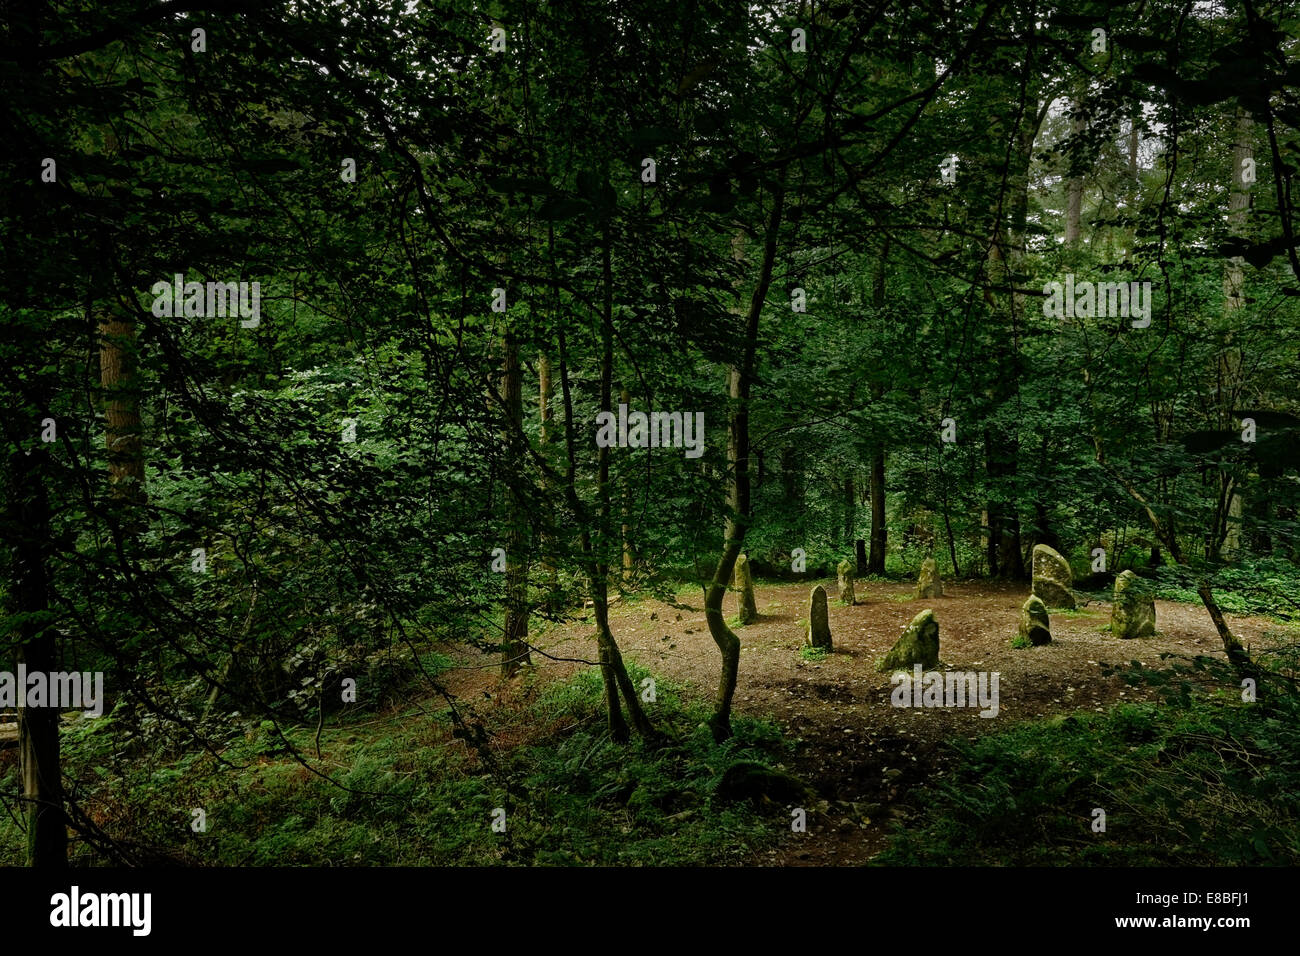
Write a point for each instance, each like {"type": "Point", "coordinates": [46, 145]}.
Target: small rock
{"type": "Point", "coordinates": [818, 633]}
{"type": "Point", "coordinates": [1035, 626]}
{"type": "Point", "coordinates": [928, 584]}
{"type": "Point", "coordinates": [1134, 612]}
{"type": "Point", "coordinates": [919, 644]}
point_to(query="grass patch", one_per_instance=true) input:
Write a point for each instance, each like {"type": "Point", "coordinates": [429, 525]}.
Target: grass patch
{"type": "Point", "coordinates": [1201, 779]}
{"type": "Point", "coordinates": [409, 795]}
{"type": "Point", "coordinates": [1261, 585]}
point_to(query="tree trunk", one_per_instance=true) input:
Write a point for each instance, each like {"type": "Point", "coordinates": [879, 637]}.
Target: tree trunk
{"type": "Point", "coordinates": [792, 481]}
{"type": "Point", "coordinates": [1229, 530]}
{"type": "Point", "coordinates": [876, 562]}
{"type": "Point", "coordinates": [547, 538]}
{"type": "Point", "coordinates": [952, 541]}
{"type": "Point", "coordinates": [738, 506]}
{"type": "Point", "coordinates": [613, 672]}
{"type": "Point", "coordinates": [600, 584]}
{"type": "Point", "coordinates": [1133, 143]}
{"type": "Point", "coordinates": [38, 727]}
{"type": "Point", "coordinates": [1074, 192]}
{"type": "Point", "coordinates": [879, 532]}
{"type": "Point", "coordinates": [514, 643]}
{"type": "Point", "coordinates": [625, 529]}
{"type": "Point", "coordinates": [739, 377]}
{"type": "Point", "coordinates": [1002, 450]}
{"type": "Point", "coordinates": [850, 510]}
{"type": "Point", "coordinates": [1003, 551]}
{"type": "Point", "coordinates": [1011, 558]}
{"type": "Point", "coordinates": [544, 414]}
{"type": "Point", "coordinates": [1044, 534]}
{"type": "Point", "coordinates": [1163, 418]}
{"type": "Point", "coordinates": [122, 411]}
{"type": "Point", "coordinates": [614, 719]}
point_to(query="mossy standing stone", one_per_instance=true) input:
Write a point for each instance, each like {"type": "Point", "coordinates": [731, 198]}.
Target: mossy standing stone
{"type": "Point", "coordinates": [1035, 625]}
{"type": "Point", "coordinates": [1134, 612]}
{"type": "Point", "coordinates": [1053, 580]}
{"type": "Point", "coordinates": [844, 573]}
{"type": "Point", "coordinates": [819, 623]}
{"type": "Point", "coordinates": [743, 580]}
{"type": "Point", "coordinates": [928, 584]}
{"type": "Point", "coordinates": [918, 645]}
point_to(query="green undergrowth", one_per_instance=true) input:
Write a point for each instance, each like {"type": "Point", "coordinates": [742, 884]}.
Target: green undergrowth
{"type": "Point", "coordinates": [570, 794]}
{"type": "Point", "coordinates": [1261, 585]}
{"type": "Point", "coordinates": [1200, 779]}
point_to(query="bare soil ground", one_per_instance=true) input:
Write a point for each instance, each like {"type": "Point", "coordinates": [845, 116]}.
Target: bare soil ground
{"type": "Point", "coordinates": [860, 753]}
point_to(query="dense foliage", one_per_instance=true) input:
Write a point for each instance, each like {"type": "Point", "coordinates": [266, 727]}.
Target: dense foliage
{"type": "Point", "coordinates": [829, 229]}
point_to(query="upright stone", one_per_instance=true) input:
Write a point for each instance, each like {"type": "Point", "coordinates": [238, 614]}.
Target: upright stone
{"type": "Point", "coordinates": [1035, 626]}
{"type": "Point", "coordinates": [1134, 612]}
{"type": "Point", "coordinates": [819, 623]}
{"type": "Point", "coordinates": [928, 584]}
{"type": "Point", "coordinates": [1053, 580]}
{"type": "Point", "coordinates": [918, 645]}
{"type": "Point", "coordinates": [743, 580]}
{"type": "Point", "coordinates": [845, 575]}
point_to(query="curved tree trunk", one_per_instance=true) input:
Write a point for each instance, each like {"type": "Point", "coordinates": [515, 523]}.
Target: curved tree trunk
{"type": "Point", "coordinates": [613, 672]}
{"type": "Point", "coordinates": [625, 525]}
{"type": "Point", "coordinates": [739, 377]}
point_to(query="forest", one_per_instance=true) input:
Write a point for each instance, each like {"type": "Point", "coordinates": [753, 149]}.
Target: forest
{"type": "Point", "coordinates": [624, 433]}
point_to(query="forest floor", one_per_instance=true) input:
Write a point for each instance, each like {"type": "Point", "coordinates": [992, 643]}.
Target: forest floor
{"type": "Point", "coordinates": [861, 754]}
